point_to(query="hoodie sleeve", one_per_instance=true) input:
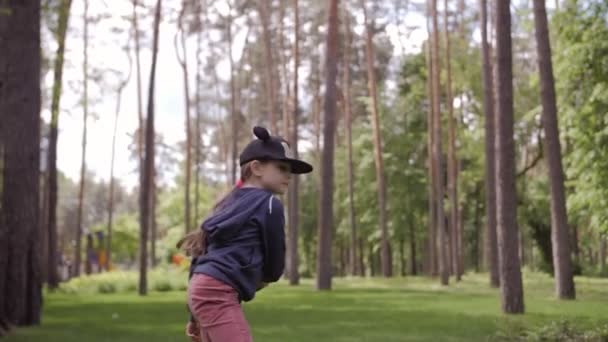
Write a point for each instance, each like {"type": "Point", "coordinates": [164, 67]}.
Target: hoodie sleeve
{"type": "Point", "coordinates": [274, 242]}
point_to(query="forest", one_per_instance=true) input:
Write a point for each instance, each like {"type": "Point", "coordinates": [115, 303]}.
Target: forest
{"type": "Point", "coordinates": [460, 149]}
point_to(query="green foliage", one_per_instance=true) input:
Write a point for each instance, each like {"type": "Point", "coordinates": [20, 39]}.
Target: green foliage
{"type": "Point", "coordinates": [125, 238]}
{"type": "Point", "coordinates": [106, 288]}
{"type": "Point", "coordinates": [160, 279]}
{"type": "Point", "coordinates": [562, 330]}
{"type": "Point", "coordinates": [582, 40]}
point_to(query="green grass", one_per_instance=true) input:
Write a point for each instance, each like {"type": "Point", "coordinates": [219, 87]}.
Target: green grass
{"type": "Point", "coordinates": [400, 309]}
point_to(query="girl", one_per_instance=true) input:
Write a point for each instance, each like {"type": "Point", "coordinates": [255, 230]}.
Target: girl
{"type": "Point", "coordinates": [241, 246]}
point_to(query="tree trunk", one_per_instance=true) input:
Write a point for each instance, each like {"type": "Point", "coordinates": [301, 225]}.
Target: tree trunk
{"type": "Point", "coordinates": [387, 268]}
{"type": "Point", "coordinates": [510, 271]}
{"type": "Point", "coordinates": [148, 176]}
{"type": "Point", "coordinates": [452, 163]}
{"type": "Point", "coordinates": [324, 269]}
{"type": "Point", "coordinates": [264, 8]}
{"type": "Point", "coordinates": [83, 165]}
{"type": "Point", "coordinates": [603, 255]}
{"type": "Point", "coordinates": [283, 64]}
{"type": "Point", "coordinates": [197, 144]}
{"type": "Point", "coordinates": [478, 234]}
{"type": "Point", "coordinates": [233, 114]}
{"type": "Point", "coordinates": [432, 241]}
{"type": "Point", "coordinates": [490, 169]}
{"type": "Point", "coordinates": [564, 282]}
{"type": "Point", "coordinates": [294, 275]}
{"type": "Point", "coordinates": [53, 252]}
{"type": "Point", "coordinates": [140, 116]}
{"type": "Point", "coordinates": [153, 226]}
{"type": "Point", "coordinates": [413, 261]}
{"type": "Point", "coordinates": [443, 257]}
{"type": "Point", "coordinates": [20, 230]}
{"type": "Point", "coordinates": [183, 62]}
{"type": "Point", "coordinates": [352, 257]}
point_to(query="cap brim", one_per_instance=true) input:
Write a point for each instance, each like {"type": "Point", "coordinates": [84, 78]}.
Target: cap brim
{"type": "Point", "coordinates": [298, 166]}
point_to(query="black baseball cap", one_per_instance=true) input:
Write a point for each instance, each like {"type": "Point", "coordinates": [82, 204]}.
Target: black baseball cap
{"type": "Point", "coordinates": [267, 147]}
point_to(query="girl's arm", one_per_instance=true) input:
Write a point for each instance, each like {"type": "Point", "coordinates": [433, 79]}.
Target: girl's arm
{"type": "Point", "coordinates": [274, 242]}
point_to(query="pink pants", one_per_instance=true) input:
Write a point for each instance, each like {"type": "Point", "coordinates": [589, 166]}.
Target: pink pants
{"type": "Point", "coordinates": [216, 307]}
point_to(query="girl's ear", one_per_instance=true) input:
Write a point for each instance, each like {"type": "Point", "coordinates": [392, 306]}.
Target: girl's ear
{"type": "Point", "coordinates": [257, 168]}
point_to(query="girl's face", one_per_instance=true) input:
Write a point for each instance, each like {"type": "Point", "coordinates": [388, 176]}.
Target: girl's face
{"type": "Point", "coordinates": [272, 175]}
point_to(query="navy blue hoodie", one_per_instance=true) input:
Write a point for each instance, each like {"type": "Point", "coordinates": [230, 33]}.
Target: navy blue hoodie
{"type": "Point", "coordinates": [245, 242]}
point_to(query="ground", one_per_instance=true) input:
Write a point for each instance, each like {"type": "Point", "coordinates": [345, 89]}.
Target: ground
{"type": "Point", "coordinates": [399, 309]}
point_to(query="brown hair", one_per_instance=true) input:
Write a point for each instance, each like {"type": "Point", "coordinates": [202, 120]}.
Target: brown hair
{"type": "Point", "coordinates": [195, 243]}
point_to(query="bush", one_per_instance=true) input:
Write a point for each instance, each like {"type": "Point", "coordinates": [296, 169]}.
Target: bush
{"type": "Point", "coordinates": [555, 331]}
{"type": "Point", "coordinates": [163, 286]}
{"type": "Point", "coordinates": [106, 288]}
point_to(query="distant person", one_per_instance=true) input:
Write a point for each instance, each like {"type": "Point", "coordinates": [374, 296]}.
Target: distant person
{"type": "Point", "coordinates": [240, 248]}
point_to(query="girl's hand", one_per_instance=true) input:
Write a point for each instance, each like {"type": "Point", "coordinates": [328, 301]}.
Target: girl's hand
{"type": "Point", "coordinates": [193, 331]}
{"type": "Point", "coordinates": [261, 286]}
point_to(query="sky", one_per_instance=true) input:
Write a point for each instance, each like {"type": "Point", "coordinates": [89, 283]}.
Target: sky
{"type": "Point", "coordinates": [105, 54]}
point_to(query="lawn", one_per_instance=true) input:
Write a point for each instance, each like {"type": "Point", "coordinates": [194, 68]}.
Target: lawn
{"type": "Point", "coordinates": [399, 309]}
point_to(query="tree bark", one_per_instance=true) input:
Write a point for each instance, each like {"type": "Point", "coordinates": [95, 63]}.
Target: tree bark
{"type": "Point", "coordinates": [413, 264]}
{"type": "Point", "coordinates": [602, 255]}
{"type": "Point", "coordinates": [233, 114]}
{"type": "Point", "coordinates": [83, 165]}
{"type": "Point", "coordinates": [564, 281]}
{"type": "Point", "coordinates": [490, 167]}
{"type": "Point", "coordinates": [452, 163]}
{"type": "Point", "coordinates": [264, 9]}
{"type": "Point", "coordinates": [294, 275]}
{"type": "Point", "coordinates": [140, 116]}
{"type": "Point", "coordinates": [148, 176]}
{"type": "Point", "coordinates": [20, 229]}
{"type": "Point", "coordinates": [352, 257]}
{"type": "Point", "coordinates": [443, 257]}
{"type": "Point", "coordinates": [324, 269]}
{"type": "Point", "coordinates": [51, 216]}
{"type": "Point", "coordinates": [510, 270]}
{"type": "Point", "coordinates": [283, 62]}
{"type": "Point", "coordinates": [197, 144]}
{"type": "Point", "coordinates": [432, 224]}
{"type": "Point", "coordinates": [387, 269]}
{"type": "Point", "coordinates": [183, 62]}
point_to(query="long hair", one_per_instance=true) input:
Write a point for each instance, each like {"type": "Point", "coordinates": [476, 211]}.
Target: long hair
{"type": "Point", "coordinates": [194, 244]}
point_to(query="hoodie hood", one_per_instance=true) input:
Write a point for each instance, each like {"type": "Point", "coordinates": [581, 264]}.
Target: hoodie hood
{"type": "Point", "coordinates": [227, 221]}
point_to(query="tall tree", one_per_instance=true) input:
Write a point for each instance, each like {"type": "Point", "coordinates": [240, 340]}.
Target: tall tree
{"type": "Point", "coordinates": [437, 154]}
{"type": "Point", "coordinates": [146, 198]}
{"type": "Point", "coordinates": [121, 86]}
{"type": "Point", "coordinates": [325, 236]}
{"type": "Point", "coordinates": [51, 167]}
{"type": "Point", "coordinates": [432, 217]}
{"type": "Point", "coordinates": [83, 164]}
{"type": "Point", "coordinates": [352, 257]}
{"type": "Point", "coordinates": [233, 110]}
{"type": "Point", "coordinates": [140, 115]}
{"type": "Point", "coordinates": [560, 240]}
{"type": "Point", "coordinates": [506, 198]}
{"type": "Point", "coordinates": [182, 58]}
{"type": "Point", "coordinates": [198, 141]}
{"type": "Point", "coordinates": [20, 231]}
{"type": "Point", "coordinates": [283, 60]}
{"type": "Point", "coordinates": [387, 267]}
{"type": "Point", "coordinates": [455, 236]}
{"type": "Point", "coordinates": [490, 166]}
{"type": "Point", "coordinates": [293, 212]}
{"type": "Point", "coordinates": [270, 83]}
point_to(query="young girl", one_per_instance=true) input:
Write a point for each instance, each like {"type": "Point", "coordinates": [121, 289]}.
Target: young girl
{"type": "Point", "coordinates": [241, 246]}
